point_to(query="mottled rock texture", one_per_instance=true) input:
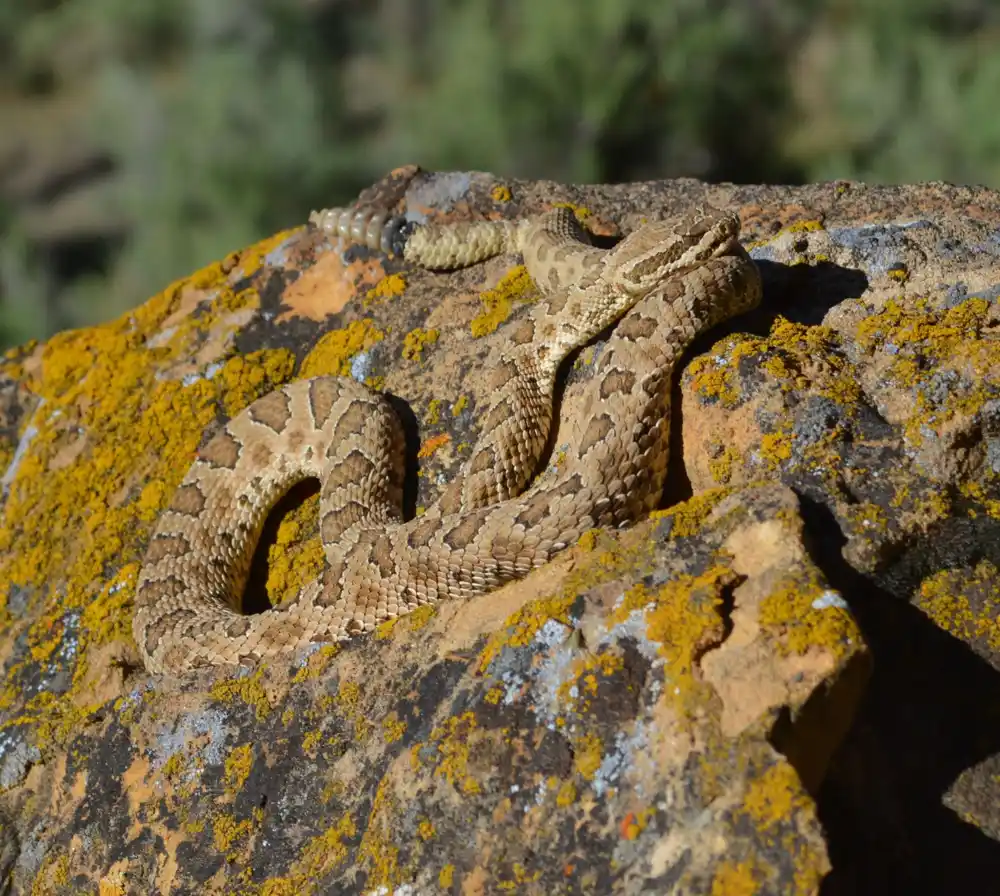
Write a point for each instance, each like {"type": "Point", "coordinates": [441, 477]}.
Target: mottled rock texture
{"type": "Point", "coordinates": [785, 682]}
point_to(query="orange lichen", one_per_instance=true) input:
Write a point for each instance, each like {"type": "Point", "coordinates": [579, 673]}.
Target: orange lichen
{"type": "Point", "coordinates": [432, 444]}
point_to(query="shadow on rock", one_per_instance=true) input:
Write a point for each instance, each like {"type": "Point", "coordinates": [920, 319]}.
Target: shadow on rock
{"type": "Point", "coordinates": [932, 710]}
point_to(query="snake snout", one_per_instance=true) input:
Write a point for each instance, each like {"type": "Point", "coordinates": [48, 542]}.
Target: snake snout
{"type": "Point", "coordinates": [727, 247]}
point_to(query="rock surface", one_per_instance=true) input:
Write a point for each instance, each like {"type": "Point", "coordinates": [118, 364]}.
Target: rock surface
{"type": "Point", "coordinates": [690, 706]}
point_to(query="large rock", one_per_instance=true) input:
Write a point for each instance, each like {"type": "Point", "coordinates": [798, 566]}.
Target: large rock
{"type": "Point", "coordinates": [675, 708]}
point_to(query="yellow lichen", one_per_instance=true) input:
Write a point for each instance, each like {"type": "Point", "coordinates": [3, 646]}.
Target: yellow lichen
{"type": "Point", "coordinates": [802, 616]}
{"type": "Point", "coordinates": [515, 286]}
{"type": "Point", "coordinates": [388, 287]}
{"type": "Point", "coordinates": [587, 755]}
{"type": "Point", "coordinates": [77, 496]}
{"type": "Point", "coordinates": [53, 874]}
{"type": "Point", "coordinates": [349, 700]}
{"type": "Point", "coordinates": [582, 681]}
{"type": "Point", "coordinates": [238, 764]}
{"type": "Point", "coordinates": [976, 491]}
{"type": "Point", "coordinates": [226, 831]}
{"type": "Point", "coordinates": [682, 617]}
{"type": "Point", "coordinates": [445, 877]}
{"type": "Point", "coordinates": [393, 728]}
{"type": "Point", "coordinates": [775, 447]}
{"type": "Point", "coordinates": [944, 597]}
{"type": "Point", "coordinates": [310, 741]}
{"type": "Point", "coordinates": [320, 856]}
{"type": "Point", "coordinates": [689, 516]}
{"type": "Point", "coordinates": [248, 377]}
{"type": "Point", "coordinates": [721, 466]}
{"type": "Point", "coordinates": [500, 193]}
{"type": "Point", "coordinates": [416, 341]}
{"type": "Point", "coordinates": [520, 877]}
{"type": "Point", "coordinates": [522, 627]}
{"type": "Point", "coordinates": [634, 823]}
{"type": "Point", "coordinates": [802, 227]}
{"type": "Point", "coordinates": [433, 415]}
{"type": "Point", "coordinates": [247, 688]}
{"type": "Point", "coordinates": [317, 663]}
{"type": "Point", "coordinates": [588, 541]}
{"type": "Point", "coordinates": [332, 354]}
{"type": "Point", "coordinates": [174, 765]}
{"type": "Point", "coordinates": [580, 212]}
{"type": "Point", "coordinates": [376, 850]}
{"type": "Point", "coordinates": [866, 517]}
{"type": "Point", "coordinates": [778, 806]}
{"type": "Point", "coordinates": [715, 381]}
{"type": "Point", "coordinates": [737, 879]}
{"type": "Point", "coordinates": [773, 797]}
{"type": "Point", "coordinates": [294, 561]}
{"type": "Point", "coordinates": [452, 741]}
{"type": "Point", "coordinates": [112, 884]}
{"type": "Point", "coordinates": [566, 794]}
{"type": "Point", "coordinates": [408, 623]}
{"type": "Point", "coordinates": [928, 344]}
{"type": "Point", "coordinates": [106, 455]}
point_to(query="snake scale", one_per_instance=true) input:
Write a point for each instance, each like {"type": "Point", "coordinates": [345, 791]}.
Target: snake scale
{"type": "Point", "coordinates": [664, 284]}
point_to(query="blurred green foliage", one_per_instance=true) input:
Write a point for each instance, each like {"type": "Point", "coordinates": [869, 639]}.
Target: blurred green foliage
{"type": "Point", "coordinates": [140, 141]}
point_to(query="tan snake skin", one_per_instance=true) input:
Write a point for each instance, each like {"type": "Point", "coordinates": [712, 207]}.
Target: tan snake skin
{"type": "Point", "coordinates": [671, 280]}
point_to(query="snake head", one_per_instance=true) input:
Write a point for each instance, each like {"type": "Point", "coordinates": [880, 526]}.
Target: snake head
{"type": "Point", "coordinates": [661, 249]}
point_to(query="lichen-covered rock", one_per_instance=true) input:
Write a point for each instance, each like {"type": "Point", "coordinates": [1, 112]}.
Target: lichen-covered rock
{"type": "Point", "coordinates": [656, 710]}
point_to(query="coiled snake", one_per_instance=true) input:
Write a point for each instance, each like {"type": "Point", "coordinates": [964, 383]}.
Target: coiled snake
{"type": "Point", "coordinates": [665, 283]}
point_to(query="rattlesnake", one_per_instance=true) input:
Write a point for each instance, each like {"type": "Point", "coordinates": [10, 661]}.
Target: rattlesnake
{"type": "Point", "coordinates": [671, 279]}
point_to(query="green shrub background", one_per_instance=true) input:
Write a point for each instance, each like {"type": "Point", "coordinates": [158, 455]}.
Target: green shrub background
{"type": "Point", "coordinates": [139, 141]}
